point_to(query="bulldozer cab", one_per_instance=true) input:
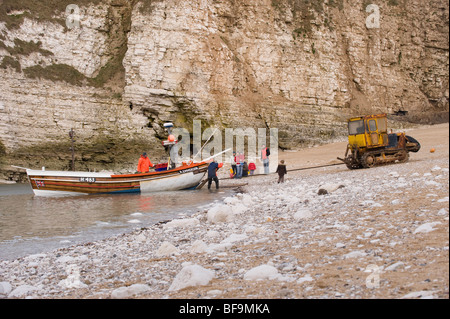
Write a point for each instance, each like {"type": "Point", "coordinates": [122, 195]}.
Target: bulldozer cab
{"type": "Point", "coordinates": [368, 131]}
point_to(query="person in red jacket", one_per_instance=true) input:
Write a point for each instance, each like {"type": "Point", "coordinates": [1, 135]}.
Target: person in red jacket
{"type": "Point", "coordinates": [144, 164]}
{"type": "Point", "coordinates": [252, 168]}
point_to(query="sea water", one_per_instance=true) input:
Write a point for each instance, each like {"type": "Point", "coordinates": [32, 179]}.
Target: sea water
{"type": "Point", "coordinates": [32, 225]}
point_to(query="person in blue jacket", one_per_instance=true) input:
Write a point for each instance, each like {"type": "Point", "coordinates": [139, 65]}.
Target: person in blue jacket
{"type": "Point", "coordinates": [212, 173]}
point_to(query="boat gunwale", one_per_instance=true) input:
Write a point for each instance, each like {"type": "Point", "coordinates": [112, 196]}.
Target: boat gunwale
{"type": "Point", "coordinates": [110, 180]}
{"type": "Point", "coordinates": [37, 174]}
{"type": "Point", "coordinates": [178, 169]}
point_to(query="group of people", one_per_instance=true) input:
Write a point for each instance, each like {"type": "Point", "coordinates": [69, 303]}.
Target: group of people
{"type": "Point", "coordinates": [239, 166]}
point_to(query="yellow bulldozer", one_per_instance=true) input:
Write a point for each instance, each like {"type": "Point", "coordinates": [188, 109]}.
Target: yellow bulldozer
{"type": "Point", "coordinates": [370, 144]}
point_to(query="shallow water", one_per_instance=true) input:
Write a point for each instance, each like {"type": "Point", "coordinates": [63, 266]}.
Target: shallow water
{"type": "Point", "coordinates": [31, 225]}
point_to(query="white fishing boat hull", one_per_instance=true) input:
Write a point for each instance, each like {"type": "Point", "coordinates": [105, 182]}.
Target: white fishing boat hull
{"type": "Point", "coordinates": [54, 183]}
{"type": "Point", "coordinates": [187, 180]}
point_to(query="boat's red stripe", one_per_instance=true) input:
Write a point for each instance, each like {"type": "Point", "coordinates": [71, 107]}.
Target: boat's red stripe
{"type": "Point", "coordinates": [161, 173]}
{"type": "Point", "coordinates": [89, 186]}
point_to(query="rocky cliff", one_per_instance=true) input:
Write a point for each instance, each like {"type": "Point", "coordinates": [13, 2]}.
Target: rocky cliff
{"type": "Point", "coordinates": [127, 67]}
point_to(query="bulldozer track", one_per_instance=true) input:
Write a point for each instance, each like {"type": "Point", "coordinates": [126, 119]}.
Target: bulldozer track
{"type": "Point", "coordinates": [380, 158]}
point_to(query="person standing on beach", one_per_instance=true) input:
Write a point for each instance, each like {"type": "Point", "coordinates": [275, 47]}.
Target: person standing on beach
{"type": "Point", "coordinates": [265, 153]}
{"type": "Point", "coordinates": [240, 164]}
{"type": "Point", "coordinates": [212, 173]}
{"type": "Point", "coordinates": [252, 168]}
{"type": "Point", "coordinates": [144, 164]}
{"type": "Point", "coordinates": [245, 169]}
{"type": "Point", "coordinates": [281, 170]}
{"type": "Point", "coordinates": [233, 163]}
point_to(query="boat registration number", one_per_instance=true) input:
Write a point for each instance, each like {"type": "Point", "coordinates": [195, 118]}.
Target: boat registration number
{"type": "Point", "coordinates": [87, 179]}
{"type": "Point", "coordinates": [193, 169]}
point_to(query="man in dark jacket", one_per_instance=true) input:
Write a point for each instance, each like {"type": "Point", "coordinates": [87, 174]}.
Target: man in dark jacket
{"type": "Point", "coordinates": [212, 173]}
{"type": "Point", "coordinates": [281, 170]}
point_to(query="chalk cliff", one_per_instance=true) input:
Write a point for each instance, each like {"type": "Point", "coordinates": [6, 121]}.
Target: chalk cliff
{"type": "Point", "coordinates": [129, 66]}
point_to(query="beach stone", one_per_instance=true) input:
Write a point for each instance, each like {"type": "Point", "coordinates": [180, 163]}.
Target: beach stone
{"type": "Point", "coordinates": [355, 254]}
{"type": "Point", "coordinates": [191, 276]}
{"type": "Point", "coordinates": [306, 278]}
{"type": "Point", "coordinates": [127, 292]}
{"type": "Point", "coordinates": [167, 249]}
{"type": "Point", "coordinates": [220, 214]}
{"type": "Point", "coordinates": [395, 266]}
{"type": "Point", "coordinates": [141, 238]}
{"type": "Point", "coordinates": [302, 214]}
{"type": "Point", "coordinates": [5, 288]}
{"type": "Point", "coordinates": [22, 291]}
{"type": "Point", "coordinates": [426, 228]}
{"type": "Point", "coordinates": [198, 247]}
{"type": "Point", "coordinates": [65, 259]}
{"type": "Point", "coordinates": [261, 272]}
{"type": "Point", "coordinates": [234, 238]}
{"type": "Point", "coordinates": [418, 294]}
{"type": "Point", "coordinates": [183, 223]}
{"type": "Point", "coordinates": [214, 292]}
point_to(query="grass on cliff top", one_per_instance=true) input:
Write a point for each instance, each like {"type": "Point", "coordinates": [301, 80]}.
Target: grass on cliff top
{"type": "Point", "coordinates": [13, 12]}
{"type": "Point", "coordinates": [10, 62]}
{"type": "Point", "coordinates": [68, 74]}
{"type": "Point", "coordinates": [304, 12]}
{"type": "Point", "coordinates": [2, 149]}
{"type": "Point", "coordinates": [147, 5]}
{"type": "Point", "coordinates": [25, 48]}
{"type": "Point", "coordinates": [56, 72]}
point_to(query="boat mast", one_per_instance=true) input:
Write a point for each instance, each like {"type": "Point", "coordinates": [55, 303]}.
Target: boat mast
{"type": "Point", "coordinates": [72, 136]}
{"type": "Point", "coordinates": [170, 143]}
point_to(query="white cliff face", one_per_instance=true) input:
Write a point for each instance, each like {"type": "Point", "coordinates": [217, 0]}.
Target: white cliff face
{"type": "Point", "coordinates": [387, 62]}
{"type": "Point", "coordinates": [36, 117]}
{"type": "Point", "coordinates": [234, 62]}
{"type": "Point", "coordinates": [192, 50]}
{"type": "Point", "coordinates": [46, 109]}
{"type": "Point", "coordinates": [36, 111]}
{"type": "Point", "coordinates": [36, 114]}
{"type": "Point", "coordinates": [302, 68]}
{"type": "Point", "coordinates": [83, 47]}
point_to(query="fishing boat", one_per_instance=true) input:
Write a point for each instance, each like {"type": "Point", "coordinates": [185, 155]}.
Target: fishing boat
{"type": "Point", "coordinates": [61, 183]}
{"type": "Point", "coordinates": [167, 177]}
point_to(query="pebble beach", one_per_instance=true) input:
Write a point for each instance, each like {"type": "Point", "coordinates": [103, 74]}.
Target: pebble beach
{"type": "Point", "coordinates": [327, 233]}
